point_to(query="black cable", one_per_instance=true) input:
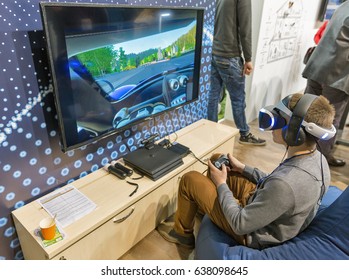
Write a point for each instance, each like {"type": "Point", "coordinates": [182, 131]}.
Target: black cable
{"type": "Point", "coordinates": [140, 175]}
{"type": "Point", "coordinates": [190, 152]}
{"type": "Point", "coordinates": [137, 178]}
{"type": "Point", "coordinates": [322, 172]}
{"type": "Point", "coordinates": [283, 158]}
{"type": "Point", "coordinates": [322, 191]}
{"type": "Point", "coordinates": [135, 190]}
{"type": "Point", "coordinates": [299, 168]}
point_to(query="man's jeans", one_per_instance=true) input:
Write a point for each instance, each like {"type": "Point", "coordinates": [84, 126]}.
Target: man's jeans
{"type": "Point", "coordinates": [228, 71]}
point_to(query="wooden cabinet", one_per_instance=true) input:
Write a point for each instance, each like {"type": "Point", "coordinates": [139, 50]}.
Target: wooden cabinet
{"type": "Point", "coordinates": [124, 230]}
{"type": "Point", "coordinates": [120, 221]}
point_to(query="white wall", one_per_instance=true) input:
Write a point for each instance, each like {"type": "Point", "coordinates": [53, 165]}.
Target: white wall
{"type": "Point", "coordinates": [281, 35]}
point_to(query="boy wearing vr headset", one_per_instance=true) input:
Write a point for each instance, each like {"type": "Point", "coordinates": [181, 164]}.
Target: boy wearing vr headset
{"type": "Point", "coordinates": [257, 209]}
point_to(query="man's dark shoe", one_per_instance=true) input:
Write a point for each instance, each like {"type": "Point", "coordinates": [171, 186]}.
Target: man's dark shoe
{"type": "Point", "coordinates": [335, 162]}
{"type": "Point", "coordinates": [250, 139]}
{"type": "Point", "coordinates": [168, 233]}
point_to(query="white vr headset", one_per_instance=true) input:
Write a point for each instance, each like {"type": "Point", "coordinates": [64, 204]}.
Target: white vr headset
{"type": "Point", "coordinates": [279, 115]}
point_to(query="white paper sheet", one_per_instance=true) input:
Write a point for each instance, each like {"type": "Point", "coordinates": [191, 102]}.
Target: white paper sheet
{"type": "Point", "coordinates": [68, 203]}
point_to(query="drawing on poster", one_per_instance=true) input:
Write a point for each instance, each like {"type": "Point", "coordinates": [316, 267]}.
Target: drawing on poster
{"type": "Point", "coordinates": [282, 31]}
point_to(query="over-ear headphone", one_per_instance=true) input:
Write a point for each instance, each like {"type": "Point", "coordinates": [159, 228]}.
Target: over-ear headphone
{"type": "Point", "coordinates": [293, 132]}
{"type": "Point", "coordinates": [292, 123]}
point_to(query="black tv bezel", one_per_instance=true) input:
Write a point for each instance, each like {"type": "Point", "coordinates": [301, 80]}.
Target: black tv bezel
{"type": "Point", "coordinates": [57, 47]}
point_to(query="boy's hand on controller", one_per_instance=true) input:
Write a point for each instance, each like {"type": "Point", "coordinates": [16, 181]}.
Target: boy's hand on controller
{"type": "Point", "coordinates": [235, 164]}
{"type": "Point", "coordinates": [218, 176]}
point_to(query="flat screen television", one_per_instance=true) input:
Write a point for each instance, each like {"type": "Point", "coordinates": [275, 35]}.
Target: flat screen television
{"type": "Point", "coordinates": [114, 66]}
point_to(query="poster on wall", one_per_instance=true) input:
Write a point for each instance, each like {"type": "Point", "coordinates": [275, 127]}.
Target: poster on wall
{"type": "Point", "coordinates": [282, 29]}
{"type": "Point", "coordinates": [278, 53]}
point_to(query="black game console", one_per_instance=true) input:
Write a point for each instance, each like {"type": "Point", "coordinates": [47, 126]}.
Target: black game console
{"type": "Point", "coordinates": [223, 159]}
{"type": "Point", "coordinates": [179, 149]}
{"type": "Point", "coordinates": [153, 163]}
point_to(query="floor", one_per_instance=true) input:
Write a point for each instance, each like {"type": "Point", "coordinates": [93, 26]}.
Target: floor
{"type": "Point", "coordinates": [154, 247]}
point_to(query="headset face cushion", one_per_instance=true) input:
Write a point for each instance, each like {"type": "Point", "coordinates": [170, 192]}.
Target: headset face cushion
{"type": "Point", "coordinates": [271, 118]}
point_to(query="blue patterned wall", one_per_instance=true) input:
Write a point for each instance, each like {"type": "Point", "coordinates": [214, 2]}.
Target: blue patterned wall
{"type": "Point", "coordinates": [31, 161]}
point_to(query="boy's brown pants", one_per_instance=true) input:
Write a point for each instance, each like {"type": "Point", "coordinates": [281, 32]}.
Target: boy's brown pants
{"type": "Point", "coordinates": [197, 192]}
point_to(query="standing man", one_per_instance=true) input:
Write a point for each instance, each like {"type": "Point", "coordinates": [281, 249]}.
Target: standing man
{"type": "Point", "coordinates": [231, 61]}
{"type": "Point", "coordinates": [327, 72]}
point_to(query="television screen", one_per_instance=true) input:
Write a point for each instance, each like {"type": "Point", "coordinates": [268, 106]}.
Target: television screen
{"type": "Point", "coordinates": [114, 66]}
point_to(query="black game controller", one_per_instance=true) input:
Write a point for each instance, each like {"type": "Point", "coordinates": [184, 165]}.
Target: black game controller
{"type": "Point", "coordinates": [123, 168]}
{"type": "Point", "coordinates": [223, 159]}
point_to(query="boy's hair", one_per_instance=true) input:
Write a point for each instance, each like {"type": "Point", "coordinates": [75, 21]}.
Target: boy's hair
{"type": "Point", "coordinates": [320, 112]}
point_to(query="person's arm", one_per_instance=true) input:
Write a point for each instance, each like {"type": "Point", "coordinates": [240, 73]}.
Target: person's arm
{"type": "Point", "coordinates": [342, 54]}
{"type": "Point", "coordinates": [271, 202]}
{"type": "Point", "coordinates": [244, 14]}
{"type": "Point", "coordinates": [220, 176]}
{"type": "Point", "coordinates": [253, 174]}
{"type": "Point", "coordinates": [248, 68]}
